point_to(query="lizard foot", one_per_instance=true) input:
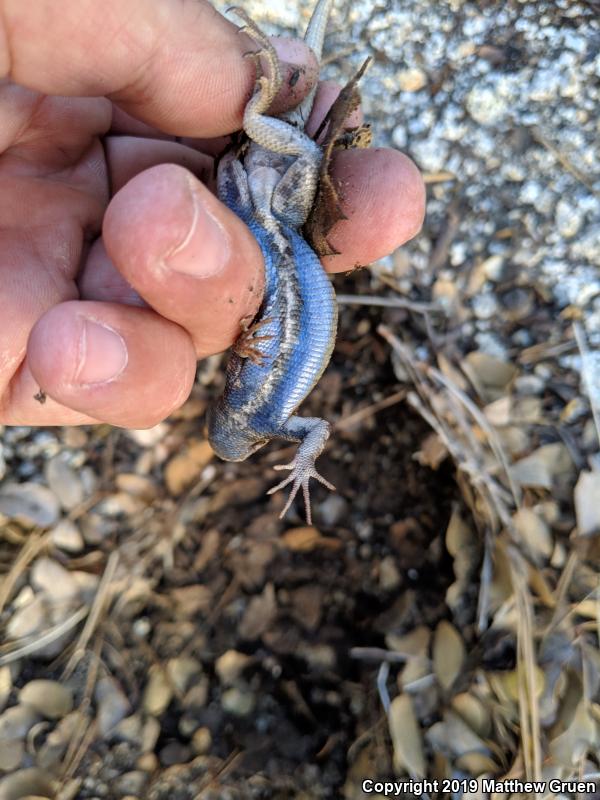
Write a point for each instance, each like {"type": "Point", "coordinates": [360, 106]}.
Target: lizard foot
{"type": "Point", "coordinates": [301, 473]}
{"type": "Point", "coordinates": [245, 344]}
{"type": "Point", "coordinates": [267, 86]}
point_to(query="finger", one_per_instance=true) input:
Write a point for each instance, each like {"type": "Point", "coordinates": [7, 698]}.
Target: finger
{"type": "Point", "coordinates": [187, 255]}
{"type": "Point", "coordinates": [129, 155]}
{"type": "Point", "coordinates": [174, 64]}
{"type": "Point", "coordinates": [383, 197]}
{"type": "Point", "coordinates": [123, 365]}
{"type": "Point", "coordinates": [325, 96]}
{"type": "Point", "coordinates": [99, 279]}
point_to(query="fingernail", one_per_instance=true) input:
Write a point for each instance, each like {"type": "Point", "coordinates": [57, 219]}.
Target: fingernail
{"type": "Point", "coordinates": [205, 249]}
{"type": "Point", "coordinates": [102, 353]}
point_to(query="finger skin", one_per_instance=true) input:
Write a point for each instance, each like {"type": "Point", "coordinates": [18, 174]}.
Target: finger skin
{"type": "Point", "coordinates": [383, 197]}
{"type": "Point", "coordinates": [177, 65]}
{"type": "Point", "coordinates": [187, 255]}
{"type": "Point", "coordinates": [133, 374]}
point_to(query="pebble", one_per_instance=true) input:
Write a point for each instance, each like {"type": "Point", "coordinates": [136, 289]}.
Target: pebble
{"type": "Point", "coordinates": [202, 741]}
{"type": "Point", "coordinates": [230, 666]}
{"type": "Point", "coordinates": [16, 722]}
{"type": "Point", "coordinates": [412, 80]}
{"type": "Point", "coordinates": [182, 671]}
{"type": "Point", "coordinates": [569, 219]}
{"type": "Point", "coordinates": [66, 536]}
{"type": "Point", "coordinates": [57, 741]}
{"type": "Point", "coordinates": [150, 734]}
{"type": "Point", "coordinates": [239, 702]}
{"type": "Point", "coordinates": [112, 704]}
{"type": "Point", "coordinates": [174, 753]}
{"type": "Point", "coordinates": [27, 783]}
{"type": "Point", "coordinates": [51, 699]}
{"type": "Point", "coordinates": [485, 105]}
{"type": "Point", "coordinates": [5, 685]}
{"type": "Point", "coordinates": [158, 693]}
{"type": "Point", "coordinates": [29, 619]}
{"type": "Point", "coordinates": [129, 729]}
{"type": "Point", "coordinates": [50, 576]}
{"type": "Point", "coordinates": [148, 437]}
{"type": "Point", "coordinates": [131, 783]}
{"type": "Point", "coordinates": [31, 504]}
{"type": "Point", "coordinates": [64, 481]}
{"type": "Point", "coordinates": [11, 755]}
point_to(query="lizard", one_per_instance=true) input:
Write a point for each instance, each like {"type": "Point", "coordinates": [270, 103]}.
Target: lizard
{"type": "Point", "coordinates": [275, 182]}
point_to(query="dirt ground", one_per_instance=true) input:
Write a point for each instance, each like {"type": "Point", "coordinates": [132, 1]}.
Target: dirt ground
{"type": "Point", "coordinates": [164, 635]}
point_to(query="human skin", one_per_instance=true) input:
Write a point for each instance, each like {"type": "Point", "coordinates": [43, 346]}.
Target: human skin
{"type": "Point", "coordinates": [119, 266]}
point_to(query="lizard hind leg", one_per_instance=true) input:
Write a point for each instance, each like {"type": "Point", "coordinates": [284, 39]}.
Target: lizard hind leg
{"type": "Point", "coordinates": [313, 434]}
{"type": "Point", "coordinates": [267, 86]}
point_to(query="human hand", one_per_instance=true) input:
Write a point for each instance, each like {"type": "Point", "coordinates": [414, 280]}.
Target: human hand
{"type": "Point", "coordinates": [120, 268]}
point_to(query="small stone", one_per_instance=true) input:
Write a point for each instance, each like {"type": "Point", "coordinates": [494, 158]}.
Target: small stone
{"type": "Point", "coordinates": [148, 762]}
{"type": "Point", "coordinates": [26, 783]}
{"type": "Point", "coordinates": [66, 536]}
{"type": "Point", "coordinates": [148, 437]}
{"type": "Point", "coordinates": [65, 481]}
{"type": "Point", "coordinates": [131, 783]}
{"type": "Point", "coordinates": [569, 218]}
{"type": "Point", "coordinates": [202, 741]}
{"type": "Point", "coordinates": [29, 619]}
{"type": "Point", "coordinates": [16, 722]}
{"type": "Point", "coordinates": [485, 105]}
{"type": "Point", "coordinates": [174, 753]}
{"type": "Point", "coordinates": [230, 666]}
{"type": "Point", "coordinates": [412, 80]}
{"type": "Point", "coordinates": [30, 504]}
{"type": "Point", "coordinates": [493, 268]}
{"type": "Point", "coordinates": [238, 702]}
{"type": "Point", "coordinates": [5, 685]}
{"type": "Point", "coordinates": [57, 741]}
{"type": "Point", "coordinates": [389, 576]}
{"type": "Point", "coordinates": [49, 698]}
{"type": "Point", "coordinates": [182, 671]}
{"type": "Point", "coordinates": [138, 485]}
{"type": "Point", "coordinates": [197, 696]}
{"type": "Point", "coordinates": [52, 578]}
{"type": "Point", "coordinates": [150, 734]}
{"type": "Point", "coordinates": [158, 693]}
{"type": "Point", "coordinates": [11, 755]}
{"type": "Point", "coordinates": [129, 729]}
{"type": "Point", "coordinates": [112, 705]}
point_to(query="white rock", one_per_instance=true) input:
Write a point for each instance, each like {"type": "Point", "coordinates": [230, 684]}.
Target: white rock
{"type": "Point", "coordinates": [64, 481]}
{"type": "Point", "coordinates": [412, 80]}
{"type": "Point", "coordinates": [29, 503]}
{"type": "Point", "coordinates": [51, 577]}
{"type": "Point", "coordinates": [485, 105]}
{"type": "Point", "coordinates": [111, 703]}
{"type": "Point", "coordinates": [16, 722]}
{"type": "Point", "coordinates": [29, 619]}
{"type": "Point", "coordinates": [67, 537]}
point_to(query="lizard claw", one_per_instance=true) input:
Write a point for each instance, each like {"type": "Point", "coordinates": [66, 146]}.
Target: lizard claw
{"type": "Point", "coordinates": [299, 477]}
